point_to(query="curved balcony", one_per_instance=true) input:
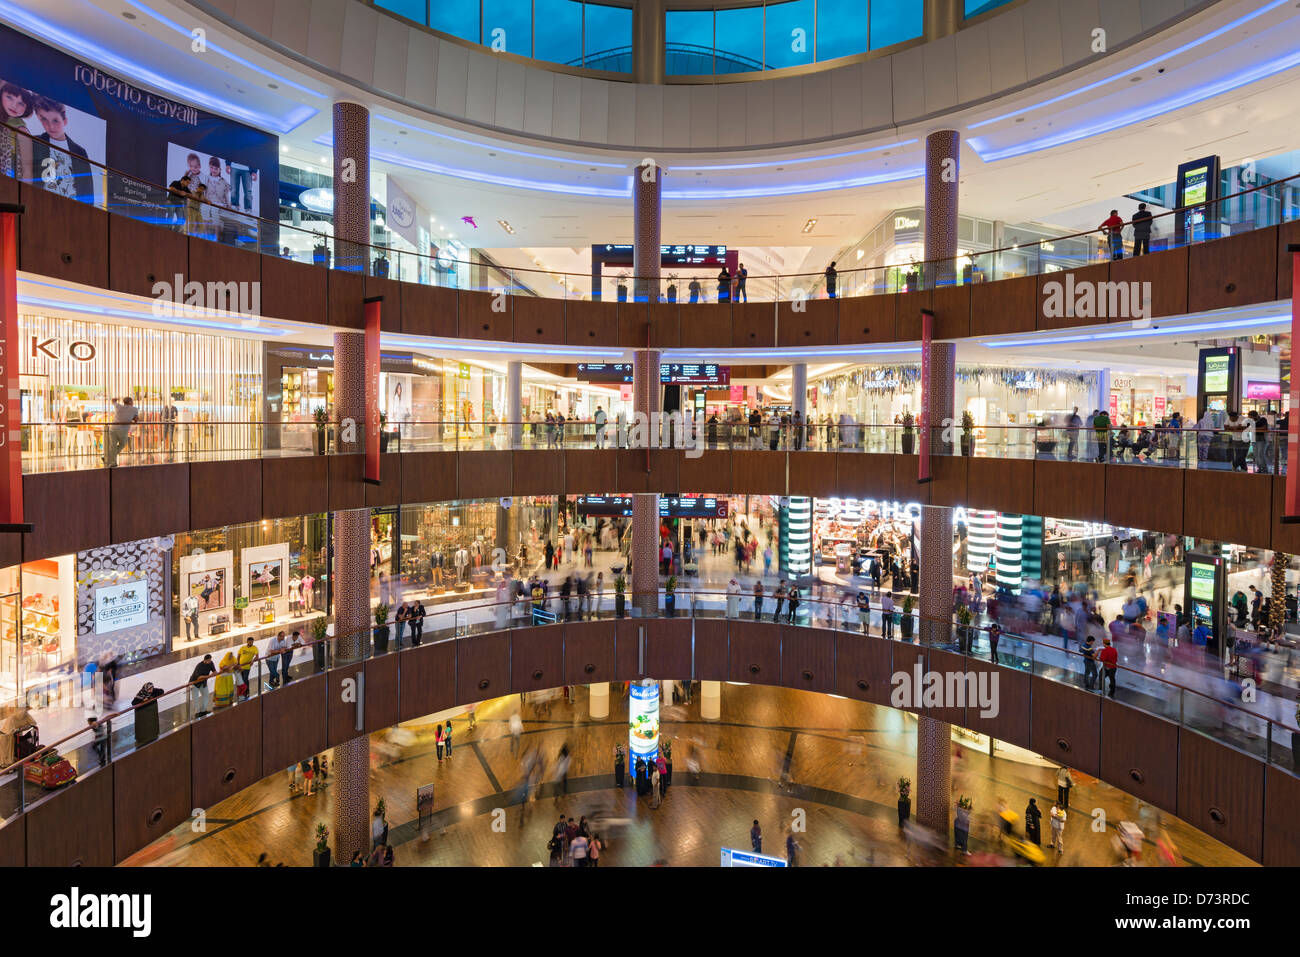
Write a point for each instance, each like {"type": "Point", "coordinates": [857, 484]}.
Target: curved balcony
{"type": "Point", "coordinates": [1222, 767]}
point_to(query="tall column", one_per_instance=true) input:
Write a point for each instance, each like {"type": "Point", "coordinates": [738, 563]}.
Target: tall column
{"type": "Point", "coordinates": [351, 186]}
{"type": "Point", "coordinates": [598, 703]}
{"type": "Point", "coordinates": [799, 389]}
{"type": "Point", "coordinates": [1103, 390]}
{"type": "Point", "coordinates": [710, 700]}
{"type": "Point", "coordinates": [515, 402]}
{"type": "Point", "coordinates": [933, 773]}
{"type": "Point", "coordinates": [942, 18]}
{"type": "Point", "coordinates": [351, 585]}
{"type": "Point", "coordinates": [647, 202]}
{"type": "Point", "coordinates": [942, 176]}
{"type": "Point", "coordinates": [645, 505]}
{"type": "Point", "coordinates": [648, 41]}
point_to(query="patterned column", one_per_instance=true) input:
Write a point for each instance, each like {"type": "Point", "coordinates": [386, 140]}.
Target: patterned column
{"type": "Point", "coordinates": [351, 186]}
{"type": "Point", "coordinates": [647, 193]}
{"type": "Point", "coordinates": [1277, 606]}
{"type": "Point", "coordinates": [935, 579]}
{"type": "Point", "coordinates": [942, 175]}
{"type": "Point", "coordinates": [941, 399]}
{"type": "Point", "coordinates": [351, 586]}
{"type": "Point", "coordinates": [645, 506]}
{"type": "Point", "coordinates": [933, 773]}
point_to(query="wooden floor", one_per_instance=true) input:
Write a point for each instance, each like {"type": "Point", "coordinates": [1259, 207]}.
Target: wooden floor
{"type": "Point", "coordinates": [773, 752]}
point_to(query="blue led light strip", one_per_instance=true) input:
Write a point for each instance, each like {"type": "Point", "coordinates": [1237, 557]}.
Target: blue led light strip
{"type": "Point", "coordinates": [1146, 333]}
{"type": "Point", "coordinates": [806, 159]}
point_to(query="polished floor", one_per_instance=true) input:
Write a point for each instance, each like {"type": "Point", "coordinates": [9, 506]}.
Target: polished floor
{"type": "Point", "coordinates": [775, 755]}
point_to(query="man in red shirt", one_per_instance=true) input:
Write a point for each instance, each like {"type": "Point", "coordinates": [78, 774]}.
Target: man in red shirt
{"type": "Point", "coordinates": [1113, 228]}
{"type": "Point", "coordinates": [1109, 658]}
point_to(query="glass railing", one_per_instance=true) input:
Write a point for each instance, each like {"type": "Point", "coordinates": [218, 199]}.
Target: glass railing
{"type": "Point", "coordinates": [69, 446]}
{"type": "Point", "coordinates": [1208, 698]}
{"type": "Point", "coordinates": [186, 213]}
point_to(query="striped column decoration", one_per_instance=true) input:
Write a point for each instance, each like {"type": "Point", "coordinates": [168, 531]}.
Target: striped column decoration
{"type": "Point", "coordinates": [942, 167]}
{"type": "Point", "coordinates": [935, 580]}
{"type": "Point", "coordinates": [1008, 552]}
{"type": "Point", "coordinates": [351, 186]}
{"type": "Point", "coordinates": [647, 203]}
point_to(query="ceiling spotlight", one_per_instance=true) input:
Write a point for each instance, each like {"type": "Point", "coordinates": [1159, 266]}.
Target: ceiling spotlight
{"type": "Point", "coordinates": [401, 132]}
{"type": "Point", "coordinates": [506, 226]}
{"type": "Point", "coordinates": [127, 14]}
{"type": "Point", "coordinates": [324, 159]}
{"type": "Point", "coordinates": [273, 86]}
{"type": "Point", "coordinates": [808, 226]}
{"type": "Point", "coordinates": [284, 149]}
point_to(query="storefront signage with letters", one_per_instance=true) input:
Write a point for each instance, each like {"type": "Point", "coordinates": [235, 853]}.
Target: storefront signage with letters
{"type": "Point", "coordinates": [81, 350]}
{"type": "Point", "coordinates": [121, 606]}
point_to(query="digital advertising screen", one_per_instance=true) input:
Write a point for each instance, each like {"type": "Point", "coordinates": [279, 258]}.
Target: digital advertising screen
{"type": "Point", "coordinates": [1215, 378]}
{"type": "Point", "coordinates": [643, 722]}
{"type": "Point", "coordinates": [1202, 581]}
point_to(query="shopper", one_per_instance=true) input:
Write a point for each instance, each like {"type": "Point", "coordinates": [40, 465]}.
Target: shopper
{"type": "Point", "coordinates": [579, 848]}
{"type": "Point", "coordinates": [247, 655]}
{"type": "Point", "coordinates": [1142, 230]}
{"type": "Point", "coordinates": [791, 850]}
{"type": "Point", "coordinates": [1110, 662]}
{"type": "Point", "coordinates": [438, 739]}
{"type": "Point", "coordinates": [308, 776]}
{"type": "Point", "coordinates": [1063, 784]}
{"type": "Point", "coordinates": [119, 433]}
{"type": "Point", "coordinates": [864, 612]}
{"type": "Point", "coordinates": [286, 659]}
{"type": "Point", "coordinates": [779, 594]}
{"type": "Point", "coordinates": [887, 615]}
{"type": "Point", "coordinates": [961, 829]}
{"type": "Point", "coordinates": [100, 731]}
{"type": "Point", "coordinates": [758, 600]}
{"type": "Point", "coordinates": [446, 738]}
{"type": "Point", "coordinates": [200, 674]}
{"type": "Point", "coordinates": [516, 729]}
{"type": "Point", "coordinates": [724, 285]}
{"type": "Point", "coordinates": [793, 597]}
{"type": "Point", "coordinates": [403, 613]}
{"type": "Point", "coordinates": [1033, 825]}
{"type": "Point", "coordinates": [741, 275]}
{"type": "Point", "coordinates": [756, 838]}
{"type": "Point", "coordinates": [1058, 828]}
{"type": "Point", "coordinates": [378, 828]}
{"type": "Point", "coordinates": [1089, 652]}
{"type": "Point", "coordinates": [595, 846]}
{"type": "Point", "coordinates": [831, 277]}
{"type": "Point", "coordinates": [416, 617]}
{"type": "Point", "coordinates": [275, 648]}
{"type": "Point", "coordinates": [1112, 227]}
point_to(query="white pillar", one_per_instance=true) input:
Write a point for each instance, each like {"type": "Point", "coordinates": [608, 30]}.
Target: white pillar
{"type": "Point", "coordinates": [1103, 390]}
{"type": "Point", "coordinates": [799, 389]}
{"type": "Point", "coordinates": [711, 699]}
{"type": "Point", "coordinates": [599, 705]}
{"type": "Point", "coordinates": [515, 401]}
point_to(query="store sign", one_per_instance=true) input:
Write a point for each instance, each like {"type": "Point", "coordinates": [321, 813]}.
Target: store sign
{"type": "Point", "coordinates": [903, 223]}
{"type": "Point", "coordinates": [373, 308]}
{"type": "Point", "coordinates": [121, 606]}
{"type": "Point", "coordinates": [1158, 406]}
{"type": "Point", "coordinates": [683, 255]}
{"type": "Point", "coordinates": [692, 506]}
{"type": "Point", "coordinates": [1264, 390]}
{"type": "Point", "coordinates": [605, 505]}
{"type": "Point", "coordinates": [620, 372]}
{"type": "Point", "coordinates": [52, 348]}
{"type": "Point", "coordinates": [694, 373]}
{"type": "Point", "coordinates": [737, 394]}
{"type": "Point", "coordinates": [731, 857]}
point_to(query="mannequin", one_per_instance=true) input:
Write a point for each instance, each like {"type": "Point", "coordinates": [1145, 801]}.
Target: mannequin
{"type": "Point", "coordinates": [305, 586]}
{"type": "Point", "coordinates": [295, 595]}
{"type": "Point", "coordinates": [461, 562]}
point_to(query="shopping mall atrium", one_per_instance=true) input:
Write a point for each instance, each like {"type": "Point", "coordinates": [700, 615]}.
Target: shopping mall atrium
{"type": "Point", "coordinates": [400, 468]}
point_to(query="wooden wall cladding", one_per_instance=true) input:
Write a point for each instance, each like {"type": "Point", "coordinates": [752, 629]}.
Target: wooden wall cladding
{"type": "Point", "coordinates": [867, 319]}
{"type": "Point", "coordinates": [13, 835]}
{"type": "Point", "coordinates": [755, 651]}
{"type": "Point", "coordinates": [815, 323]}
{"type": "Point", "coordinates": [1288, 234]}
{"type": "Point", "coordinates": [808, 475]}
{"type": "Point", "coordinates": [383, 703]}
{"type": "Point", "coordinates": [957, 675]}
{"type": "Point", "coordinates": [479, 320]}
{"type": "Point", "coordinates": [293, 722]}
{"type": "Point", "coordinates": [148, 500]}
{"type": "Point", "coordinates": [711, 640]}
{"type": "Point", "coordinates": [1053, 303]}
{"type": "Point", "coordinates": [74, 828]}
{"type": "Point", "coordinates": [539, 472]}
{"type": "Point", "coordinates": [543, 320]}
{"type": "Point", "coordinates": [484, 475]}
{"type": "Point", "coordinates": [1066, 725]}
{"type": "Point", "coordinates": [1003, 484]}
{"type": "Point", "coordinates": [863, 667]}
{"type": "Point", "coordinates": [58, 529]}
{"type": "Point", "coordinates": [140, 254]}
{"type": "Point", "coordinates": [427, 677]}
{"type": "Point", "coordinates": [1076, 489]}
{"type": "Point", "coordinates": [668, 647]}
{"type": "Point", "coordinates": [808, 659]}
{"type": "Point", "coordinates": [907, 657]}
{"type": "Point", "coordinates": [430, 311]}
{"type": "Point", "coordinates": [628, 633]}
{"type": "Point", "coordinates": [225, 493]}
{"type": "Point", "coordinates": [389, 489]}
{"type": "Point", "coordinates": [589, 652]}
{"type": "Point", "coordinates": [346, 478]}
{"type": "Point", "coordinates": [429, 477]}
{"type": "Point", "coordinates": [1013, 693]}
{"type": "Point", "coordinates": [295, 486]}
{"type": "Point", "coordinates": [1167, 273]}
{"type": "Point", "coordinates": [62, 238]}
{"type": "Point", "coordinates": [1240, 520]}
{"type": "Point", "coordinates": [482, 667]}
{"type": "Point", "coordinates": [757, 473]}
{"type": "Point", "coordinates": [586, 323]}
{"type": "Point", "coordinates": [226, 753]}
{"type": "Point", "coordinates": [588, 471]}
{"type": "Point", "coordinates": [536, 658]}
{"type": "Point", "coordinates": [951, 306]}
{"type": "Point", "coordinates": [151, 792]}
{"type": "Point", "coordinates": [864, 475]}
{"type": "Point", "coordinates": [704, 325]}
{"type": "Point", "coordinates": [347, 294]}
{"type": "Point", "coordinates": [213, 262]}
{"type": "Point", "coordinates": [390, 309]}
{"type": "Point", "coordinates": [1281, 823]}
{"type": "Point", "coordinates": [949, 481]}
{"type": "Point", "coordinates": [706, 473]}
{"type": "Point", "coordinates": [754, 324]}
{"type": "Point", "coordinates": [1235, 271]}
{"type": "Point", "coordinates": [342, 701]}
{"type": "Point", "coordinates": [1005, 306]}
{"type": "Point", "coordinates": [907, 322]}
{"type": "Point", "coordinates": [632, 474]}
{"type": "Point", "coordinates": [1139, 753]}
{"type": "Point", "coordinates": [1221, 792]}
{"type": "Point", "coordinates": [663, 322]}
{"type": "Point", "coordinates": [1145, 496]}
{"type": "Point", "coordinates": [294, 290]}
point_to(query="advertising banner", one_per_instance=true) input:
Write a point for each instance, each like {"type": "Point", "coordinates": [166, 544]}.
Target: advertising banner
{"type": "Point", "coordinates": [403, 213]}
{"type": "Point", "coordinates": [927, 334]}
{"type": "Point", "coordinates": [11, 455]}
{"type": "Point", "coordinates": [121, 606]}
{"type": "Point", "coordinates": [92, 116]}
{"type": "Point", "coordinates": [372, 307]}
{"type": "Point", "coordinates": [1291, 513]}
{"type": "Point", "coordinates": [643, 722]}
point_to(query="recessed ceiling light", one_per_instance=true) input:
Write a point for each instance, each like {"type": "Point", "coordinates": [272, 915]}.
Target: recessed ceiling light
{"type": "Point", "coordinates": [284, 149]}
{"type": "Point", "coordinates": [508, 228]}
{"type": "Point", "coordinates": [401, 132]}
{"type": "Point", "coordinates": [1020, 119]}
{"type": "Point", "coordinates": [324, 159]}
{"type": "Point", "coordinates": [128, 15]}
{"type": "Point", "coordinates": [273, 86]}
{"type": "Point", "coordinates": [808, 226]}
{"type": "Point", "coordinates": [780, 169]}
{"type": "Point", "coordinates": [591, 169]}
{"type": "Point", "coordinates": [1134, 79]}
{"type": "Point", "coordinates": [492, 154]}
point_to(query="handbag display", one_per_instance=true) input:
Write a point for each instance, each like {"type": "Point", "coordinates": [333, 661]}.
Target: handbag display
{"type": "Point", "coordinates": [219, 625]}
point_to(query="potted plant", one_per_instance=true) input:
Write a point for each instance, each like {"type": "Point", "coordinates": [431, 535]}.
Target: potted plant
{"type": "Point", "coordinates": [967, 433]}
{"type": "Point", "coordinates": [670, 598]}
{"type": "Point", "coordinates": [321, 855]}
{"type": "Point", "coordinates": [319, 632]}
{"type": "Point", "coordinates": [964, 619]}
{"type": "Point", "coordinates": [620, 600]}
{"type": "Point", "coordinates": [381, 630]}
{"type": "Point", "coordinates": [961, 824]}
{"type": "Point", "coordinates": [904, 800]}
{"type": "Point", "coordinates": [672, 287]}
{"type": "Point", "coordinates": [320, 254]}
{"type": "Point", "coordinates": [908, 604]}
{"type": "Point", "coordinates": [620, 765]}
{"type": "Point", "coordinates": [622, 288]}
{"type": "Point", "coordinates": [321, 422]}
{"type": "Point", "coordinates": [909, 435]}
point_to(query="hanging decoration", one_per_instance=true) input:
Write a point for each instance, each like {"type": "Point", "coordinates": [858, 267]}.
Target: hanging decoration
{"type": "Point", "coordinates": [888, 380]}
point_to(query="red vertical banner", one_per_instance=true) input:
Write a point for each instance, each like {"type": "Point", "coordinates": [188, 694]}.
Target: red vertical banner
{"type": "Point", "coordinates": [11, 408]}
{"type": "Point", "coordinates": [373, 307]}
{"type": "Point", "coordinates": [1291, 514]}
{"type": "Point", "coordinates": [927, 333]}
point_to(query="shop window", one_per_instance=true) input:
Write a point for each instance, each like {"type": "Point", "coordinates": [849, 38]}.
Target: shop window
{"type": "Point", "coordinates": [738, 40]}
{"type": "Point", "coordinates": [411, 9]}
{"type": "Point", "coordinates": [790, 31]}
{"type": "Point", "coordinates": [507, 26]}
{"type": "Point", "coordinates": [557, 31]}
{"type": "Point", "coordinates": [841, 28]}
{"type": "Point", "coordinates": [896, 21]}
{"type": "Point", "coordinates": [459, 18]}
